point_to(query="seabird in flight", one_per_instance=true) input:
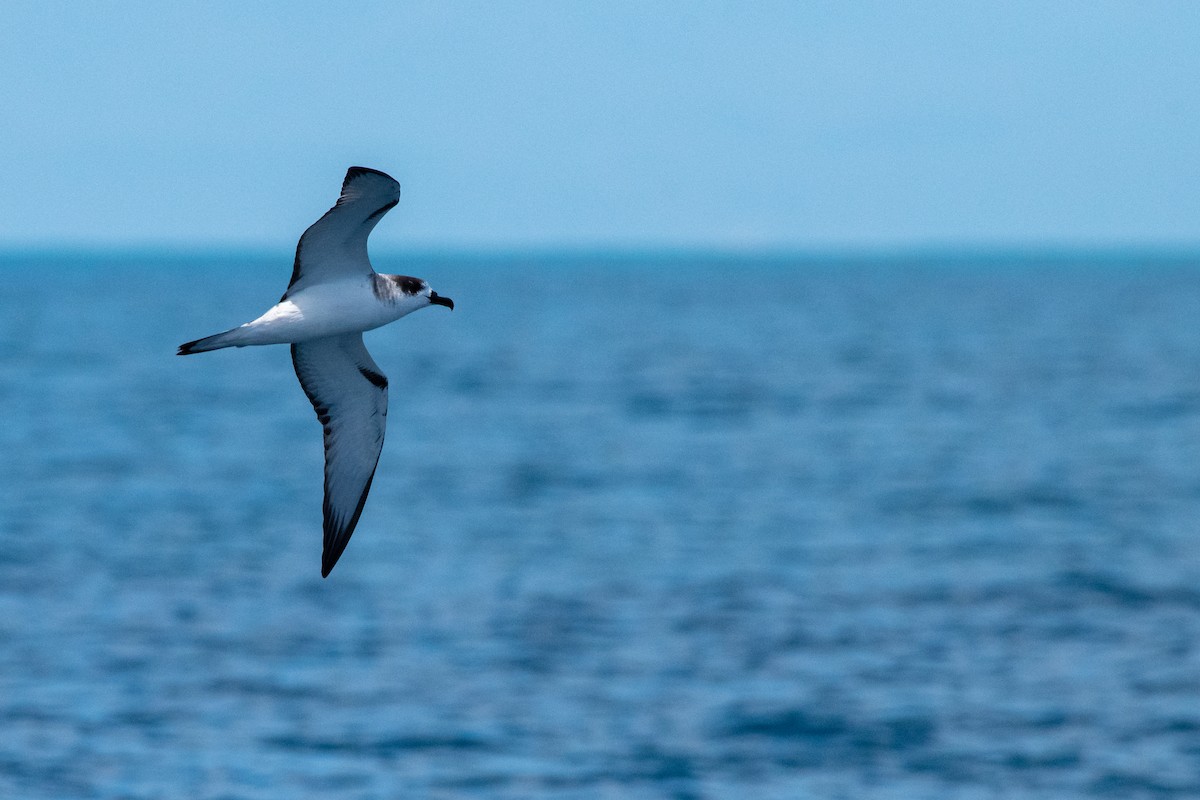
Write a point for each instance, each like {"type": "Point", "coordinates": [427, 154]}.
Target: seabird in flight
{"type": "Point", "coordinates": [333, 297]}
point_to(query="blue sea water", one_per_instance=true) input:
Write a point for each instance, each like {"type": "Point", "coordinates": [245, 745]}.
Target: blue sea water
{"type": "Point", "coordinates": [643, 528]}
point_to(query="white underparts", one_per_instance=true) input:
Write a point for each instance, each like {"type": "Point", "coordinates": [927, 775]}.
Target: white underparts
{"type": "Point", "coordinates": [327, 309]}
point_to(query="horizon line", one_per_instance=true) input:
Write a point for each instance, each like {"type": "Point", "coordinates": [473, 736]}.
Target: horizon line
{"type": "Point", "coordinates": [1158, 250]}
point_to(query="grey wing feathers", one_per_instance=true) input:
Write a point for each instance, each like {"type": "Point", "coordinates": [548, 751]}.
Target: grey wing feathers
{"type": "Point", "coordinates": [350, 394]}
{"type": "Point", "coordinates": [336, 244]}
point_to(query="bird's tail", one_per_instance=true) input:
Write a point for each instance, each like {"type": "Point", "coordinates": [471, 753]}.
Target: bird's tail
{"type": "Point", "coordinates": [215, 342]}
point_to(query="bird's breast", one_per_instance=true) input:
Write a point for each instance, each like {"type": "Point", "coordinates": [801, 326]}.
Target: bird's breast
{"type": "Point", "coordinates": [343, 307]}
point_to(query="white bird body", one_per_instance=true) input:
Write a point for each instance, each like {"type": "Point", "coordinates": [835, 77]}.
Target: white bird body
{"type": "Point", "coordinates": [334, 296]}
{"type": "Point", "coordinates": [346, 305]}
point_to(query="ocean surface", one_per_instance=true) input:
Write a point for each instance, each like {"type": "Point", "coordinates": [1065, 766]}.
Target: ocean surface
{"type": "Point", "coordinates": [663, 527]}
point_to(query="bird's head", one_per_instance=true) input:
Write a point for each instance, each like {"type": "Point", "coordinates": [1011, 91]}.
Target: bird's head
{"type": "Point", "coordinates": [412, 292]}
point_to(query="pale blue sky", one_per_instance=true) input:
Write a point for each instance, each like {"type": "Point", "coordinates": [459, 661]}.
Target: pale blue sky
{"type": "Point", "coordinates": [617, 124]}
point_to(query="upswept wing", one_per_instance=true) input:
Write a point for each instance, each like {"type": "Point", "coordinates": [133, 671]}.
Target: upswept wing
{"type": "Point", "coordinates": [336, 245]}
{"type": "Point", "coordinates": [350, 395]}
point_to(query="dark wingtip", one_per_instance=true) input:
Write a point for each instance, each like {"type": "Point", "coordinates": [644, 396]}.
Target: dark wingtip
{"type": "Point", "coordinates": [185, 349]}
{"type": "Point", "coordinates": [330, 556]}
{"type": "Point", "coordinates": [335, 539]}
{"type": "Point", "coordinates": [357, 172]}
{"type": "Point", "coordinates": [329, 561]}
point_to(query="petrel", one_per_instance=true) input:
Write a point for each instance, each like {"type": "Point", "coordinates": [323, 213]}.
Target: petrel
{"type": "Point", "coordinates": [334, 296]}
